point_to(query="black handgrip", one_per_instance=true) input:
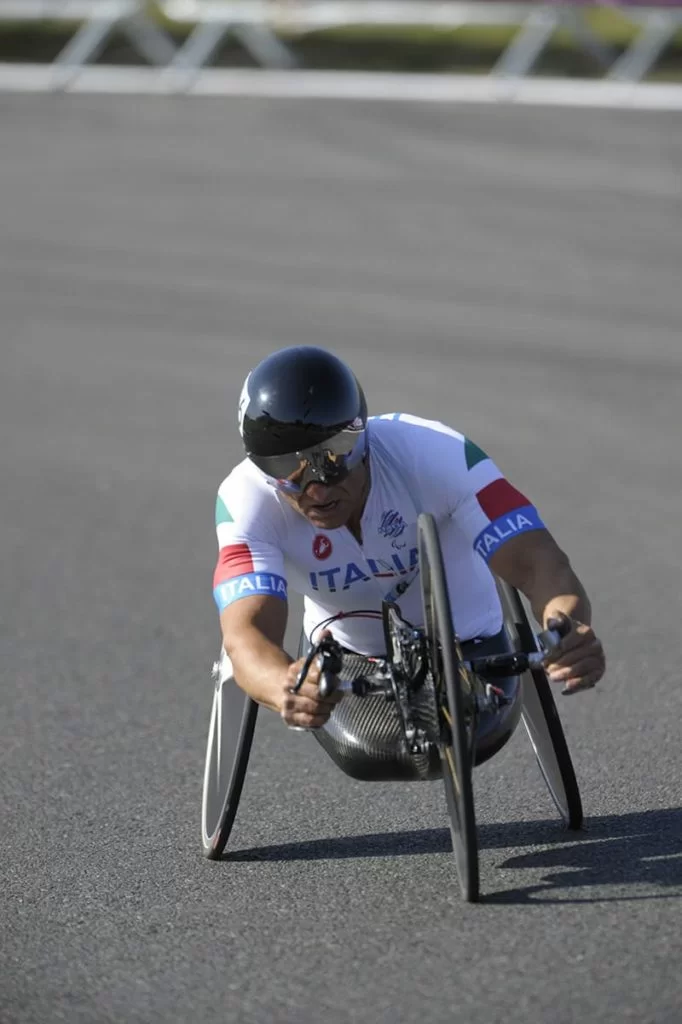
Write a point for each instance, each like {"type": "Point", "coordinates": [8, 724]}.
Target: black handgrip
{"type": "Point", "coordinates": [330, 661]}
{"type": "Point", "coordinates": [330, 658]}
{"type": "Point", "coordinates": [557, 628]}
{"type": "Point", "coordinates": [327, 684]}
{"type": "Point", "coordinates": [561, 624]}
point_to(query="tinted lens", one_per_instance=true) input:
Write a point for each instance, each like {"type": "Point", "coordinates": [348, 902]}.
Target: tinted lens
{"type": "Point", "coordinates": [326, 463]}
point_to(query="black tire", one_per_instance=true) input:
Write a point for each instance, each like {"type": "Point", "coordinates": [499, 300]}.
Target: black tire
{"type": "Point", "coordinates": [453, 695]}
{"type": "Point", "coordinates": [541, 718]}
{"type": "Point", "coordinates": [230, 732]}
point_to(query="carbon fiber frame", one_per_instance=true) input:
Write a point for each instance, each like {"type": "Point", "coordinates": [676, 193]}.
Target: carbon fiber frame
{"type": "Point", "coordinates": [364, 736]}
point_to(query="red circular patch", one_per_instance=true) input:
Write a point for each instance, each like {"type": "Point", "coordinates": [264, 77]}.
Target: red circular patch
{"type": "Point", "coordinates": [322, 547]}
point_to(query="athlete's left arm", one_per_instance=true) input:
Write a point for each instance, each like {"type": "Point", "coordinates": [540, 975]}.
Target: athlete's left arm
{"type": "Point", "coordinates": [505, 529]}
{"type": "Point", "coordinates": [534, 563]}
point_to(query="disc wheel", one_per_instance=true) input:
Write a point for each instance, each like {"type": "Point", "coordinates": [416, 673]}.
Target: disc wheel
{"type": "Point", "coordinates": [455, 706]}
{"type": "Point", "coordinates": [230, 732]}
{"type": "Point", "coordinates": [541, 718]}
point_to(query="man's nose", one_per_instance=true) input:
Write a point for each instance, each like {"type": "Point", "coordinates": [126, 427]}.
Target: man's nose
{"type": "Point", "coordinates": [319, 493]}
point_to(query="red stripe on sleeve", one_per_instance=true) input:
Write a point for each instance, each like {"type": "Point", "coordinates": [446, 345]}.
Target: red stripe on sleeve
{"type": "Point", "coordinates": [233, 560]}
{"type": "Point", "coordinates": [500, 497]}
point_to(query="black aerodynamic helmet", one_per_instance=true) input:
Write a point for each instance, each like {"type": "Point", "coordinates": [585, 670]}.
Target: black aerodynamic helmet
{"type": "Point", "coordinates": [302, 418]}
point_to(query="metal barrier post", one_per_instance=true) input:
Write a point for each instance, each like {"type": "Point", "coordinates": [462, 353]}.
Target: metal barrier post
{"type": "Point", "coordinates": [640, 57]}
{"type": "Point", "coordinates": [200, 45]}
{"type": "Point", "coordinates": [258, 40]}
{"type": "Point", "coordinates": [525, 48]}
{"type": "Point", "coordinates": [528, 44]}
{"type": "Point", "coordinates": [150, 41]}
{"type": "Point", "coordinates": [262, 43]}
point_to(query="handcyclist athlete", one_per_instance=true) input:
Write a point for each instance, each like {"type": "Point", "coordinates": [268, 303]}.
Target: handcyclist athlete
{"type": "Point", "coordinates": [326, 502]}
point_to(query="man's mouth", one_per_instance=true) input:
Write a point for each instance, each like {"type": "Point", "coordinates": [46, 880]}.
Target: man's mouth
{"type": "Point", "coordinates": [323, 508]}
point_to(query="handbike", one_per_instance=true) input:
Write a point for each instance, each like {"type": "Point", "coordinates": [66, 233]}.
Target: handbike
{"type": "Point", "coordinates": [430, 707]}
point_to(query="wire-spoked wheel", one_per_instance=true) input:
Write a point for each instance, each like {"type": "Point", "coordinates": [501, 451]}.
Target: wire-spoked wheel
{"type": "Point", "coordinates": [230, 732]}
{"type": "Point", "coordinates": [455, 706]}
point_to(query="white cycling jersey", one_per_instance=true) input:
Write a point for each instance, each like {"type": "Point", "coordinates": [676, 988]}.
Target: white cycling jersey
{"type": "Point", "coordinates": [416, 465]}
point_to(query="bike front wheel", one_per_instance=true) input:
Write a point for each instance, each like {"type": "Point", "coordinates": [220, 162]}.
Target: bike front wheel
{"type": "Point", "coordinates": [456, 706]}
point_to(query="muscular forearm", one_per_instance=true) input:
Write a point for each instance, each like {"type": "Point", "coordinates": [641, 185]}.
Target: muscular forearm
{"type": "Point", "coordinates": [259, 665]}
{"type": "Point", "coordinates": [536, 565]}
{"type": "Point", "coordinates": [551, 592]}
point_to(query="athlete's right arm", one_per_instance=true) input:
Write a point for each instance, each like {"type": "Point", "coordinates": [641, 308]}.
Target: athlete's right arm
{"type": "Point", "coordinates": [250, 590]}
{"type": "Point", "coordinates": [253, 635]}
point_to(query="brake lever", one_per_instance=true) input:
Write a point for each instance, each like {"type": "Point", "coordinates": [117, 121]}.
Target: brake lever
{"type": "Point", "coordinates": [302, 675]}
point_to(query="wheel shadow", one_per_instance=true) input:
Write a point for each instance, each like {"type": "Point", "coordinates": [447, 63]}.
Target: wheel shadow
{"type": "Point", "coordinates": [379, 844]}
{"type": "Point", "coordinates": [642, 848]}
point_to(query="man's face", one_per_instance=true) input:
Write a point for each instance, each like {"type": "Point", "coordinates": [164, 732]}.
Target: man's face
{"type": "Point", "coordinates": [328, 506]}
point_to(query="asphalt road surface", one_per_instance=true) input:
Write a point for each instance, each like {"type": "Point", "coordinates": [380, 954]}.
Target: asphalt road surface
{"type": "Point", "coordinates": [515, 272]}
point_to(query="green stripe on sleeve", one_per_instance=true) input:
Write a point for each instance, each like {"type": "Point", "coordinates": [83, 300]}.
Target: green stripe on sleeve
{"type": "Point", "coordinates": [222, 514]}
{"type": "Point", "coordinates": [473, 454]}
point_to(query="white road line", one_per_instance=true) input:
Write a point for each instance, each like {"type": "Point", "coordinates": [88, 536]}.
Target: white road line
{"type": "Point", "coordinates": [378, 86]}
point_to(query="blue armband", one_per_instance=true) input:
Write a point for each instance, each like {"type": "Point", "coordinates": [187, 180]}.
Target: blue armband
{"type": "Point", "coordinates": [520, 520]}
{"type": "Point", "coordinates": [248, 585]}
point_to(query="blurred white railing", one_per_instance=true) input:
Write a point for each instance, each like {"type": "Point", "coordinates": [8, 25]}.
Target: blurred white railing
{"type": "Point", "coordinates": [259, 24]}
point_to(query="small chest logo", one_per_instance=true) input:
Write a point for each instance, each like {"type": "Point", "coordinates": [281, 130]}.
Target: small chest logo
{"type": "Point", "coordinates": [392, 524]}
{"type": "Point", "coordinates": [322, 547]}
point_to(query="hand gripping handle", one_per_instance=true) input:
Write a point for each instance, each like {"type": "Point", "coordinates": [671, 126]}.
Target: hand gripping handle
{"type": "Point", "coordinates": [329, 659]}
{"type": "Point", "coordinates": [556, 629]}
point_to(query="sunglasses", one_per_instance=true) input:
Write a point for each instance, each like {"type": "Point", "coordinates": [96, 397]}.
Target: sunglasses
{"type": "Point", "coordinates": [329, 462]}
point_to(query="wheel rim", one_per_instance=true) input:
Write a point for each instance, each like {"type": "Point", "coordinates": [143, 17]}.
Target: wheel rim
{"type": "Point", "coordinates": [212, 803]}
{"type": "Point", "coordinates": [233, 718]}
{"type": "Point", "coordinates": [543, 747]}
{"type": "Point", "coordinates": [456, 747]}
{"type": "Point", "coordinates": [541, 718]}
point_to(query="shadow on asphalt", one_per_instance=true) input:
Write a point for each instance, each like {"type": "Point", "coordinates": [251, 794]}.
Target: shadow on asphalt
{"type": "Point", "coordinates": [643, 849]}
{"type": "Point", "coordinates": [615, 849]}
